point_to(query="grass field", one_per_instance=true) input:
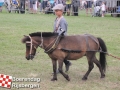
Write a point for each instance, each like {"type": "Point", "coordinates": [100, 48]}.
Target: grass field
{"type": "Point", "coordinates": [12, 51]}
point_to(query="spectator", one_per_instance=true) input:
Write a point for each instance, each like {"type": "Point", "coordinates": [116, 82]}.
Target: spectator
{"type": "Point", "coordinates": [48, 9]}
{"type": "Point", "coordinates": [88, 5]}
{"type": "Point", "coordinates": [31, 6]}
{"type": "Point", "coordinates": [96, 11]}
{"type": "Point", "coordinates": [34, 6]}
{"type": "Point", "coordinates": [27, 5]}
{"type": "Point", "coordinates": [95, 2]}
{"type": "Point", "coordinates": [41, 5]}
{"type": "Point", "coordinates": [44, 5]}
{"type": "Point", "coordinates": [103, 9]}
{"type": "Point", "coordinates": [83, 4]}
{"type": "Point", "coordinates": [64, 4]}
{"type": "Point", "coordinates": [75, 5]}
{"type": "Point", "coordinates": [68, 6]}
{"type": "Point", "coordinates": [1, 4]}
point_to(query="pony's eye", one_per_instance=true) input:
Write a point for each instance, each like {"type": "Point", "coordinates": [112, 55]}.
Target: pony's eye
{"type": "Point", "coordinates": [27, 45]}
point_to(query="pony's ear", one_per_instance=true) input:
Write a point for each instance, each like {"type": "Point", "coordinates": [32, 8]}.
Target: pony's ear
{"type": "Point", "coordinates": [25, 35]}
{"type": "Point", "coordinates": [26, 38]}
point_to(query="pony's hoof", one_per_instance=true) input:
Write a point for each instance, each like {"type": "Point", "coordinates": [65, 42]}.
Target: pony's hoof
{"type": "Point", "coordinates": [67, 78]}
{"type": "Point", "coordinates": [103, 76]}
{"type": "Point", "coordinates": [84, 78]}
{"type": "Point", "coordinates": [54, 79]}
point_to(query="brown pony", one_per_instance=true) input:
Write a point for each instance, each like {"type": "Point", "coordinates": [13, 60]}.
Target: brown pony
{"type": "Point", "coordinates": [70, 48]}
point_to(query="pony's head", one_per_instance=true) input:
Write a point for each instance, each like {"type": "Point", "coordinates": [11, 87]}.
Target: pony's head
{"type": "Point", "coordinates": [31, 46]}
{"type": "Point", "coordinates": [33, 41]}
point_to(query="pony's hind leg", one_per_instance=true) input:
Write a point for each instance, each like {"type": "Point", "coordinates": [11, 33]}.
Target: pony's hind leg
{"type": "Point", "coordinates": [61, 71]}
{"type": "Point", "coordinates": [99, 66]}
{"type": "Point", "coordinates": [54, 62]}
{"type": "Point", "coordinates": [90, 56]}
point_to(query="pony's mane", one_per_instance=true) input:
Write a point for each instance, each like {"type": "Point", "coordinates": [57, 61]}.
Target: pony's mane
{"type": "Point", "coordinates": [44, 34]}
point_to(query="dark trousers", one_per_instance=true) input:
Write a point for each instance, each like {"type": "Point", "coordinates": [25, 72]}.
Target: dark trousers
{"type": "Point", "coordinates": [66, 62]}
{"type": "Point", "coordinates": [44, 4]}
{"type": "Point", "coordinates": [22, 6]}
{"type": "Point", "coordinates": [75, 10]}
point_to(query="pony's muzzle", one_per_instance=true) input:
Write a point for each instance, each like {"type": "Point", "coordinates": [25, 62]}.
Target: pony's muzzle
{"type": "Point", "coordinates": [30, 57]}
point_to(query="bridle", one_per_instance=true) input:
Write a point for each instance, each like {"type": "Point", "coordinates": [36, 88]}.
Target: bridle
{"type": "Point", "coordinates": [47, 49]}
{"type": "Point", "coordinates": [32, 45]}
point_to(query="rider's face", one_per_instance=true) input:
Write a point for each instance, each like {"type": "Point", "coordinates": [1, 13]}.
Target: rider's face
{"type": "Point", "coordinates": [58, 13]}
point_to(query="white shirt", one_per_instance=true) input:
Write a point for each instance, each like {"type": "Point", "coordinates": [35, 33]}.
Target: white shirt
{"type": "Point", "coordinates": [103, 7]}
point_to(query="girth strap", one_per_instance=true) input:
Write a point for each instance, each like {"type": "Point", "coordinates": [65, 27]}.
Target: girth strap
{"type": "Point", "coordinates": [71, 51]}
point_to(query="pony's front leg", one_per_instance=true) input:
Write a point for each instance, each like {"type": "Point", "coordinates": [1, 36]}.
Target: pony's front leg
{"type": "Point", "coordinates": [54, 62]}
{"type": "Point", "coordinates": [61, 71]}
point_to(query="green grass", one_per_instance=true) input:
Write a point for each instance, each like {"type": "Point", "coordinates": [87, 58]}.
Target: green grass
{"type": "Point", "coordinates": [12, 51]}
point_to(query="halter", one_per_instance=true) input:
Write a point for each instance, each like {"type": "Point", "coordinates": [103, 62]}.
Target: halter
{"type": "Point", "coordinates": [47, 50]}
{"type": "Point", "coordinates": [31, 43]}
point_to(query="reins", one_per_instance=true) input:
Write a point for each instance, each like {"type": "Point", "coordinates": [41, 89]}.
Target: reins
{"type": "Point", "coordinates": [105, 53]}
{"type": "Point", "coordinates": [111, 55]}
{"type": "Point", "coordinates": [53, 46]}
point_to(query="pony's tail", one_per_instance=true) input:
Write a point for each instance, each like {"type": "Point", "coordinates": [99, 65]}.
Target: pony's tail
{"type": "Point", "coordinates": [102, 58]}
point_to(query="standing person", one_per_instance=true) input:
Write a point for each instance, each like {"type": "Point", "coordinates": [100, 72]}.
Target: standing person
{"type": "Point", "coordinates": [22, 5]}
{"type": "Point", "coordinates": [44, 5]}
{"type": "Point", "coordinates": [75, 6]}
{"type": "Point", "coordinates": [103, 9]}
{"type": "Point", "coordinates": [48, 8]}
{"type": "Point", "coordinates": [31, 6]}
{"type": "Point", "coordinates": [41, 5]}
{"type": "Point", "coordinates": [68, 6]}
{"type": "Point", "coordinates": [35, 6]}
{"type": "Point", "coordinates": [60, 23]}
{"type": "Point", "coordinates": [1, 4]}
{"type": "Point", "coordinates": [88, 6]}
{"type": "Point", "coordinates": [94, 2]}
{"type": "Point", "coordinates": [64, 4]}
{"type": "Point", "coordinates": [82, 4]}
